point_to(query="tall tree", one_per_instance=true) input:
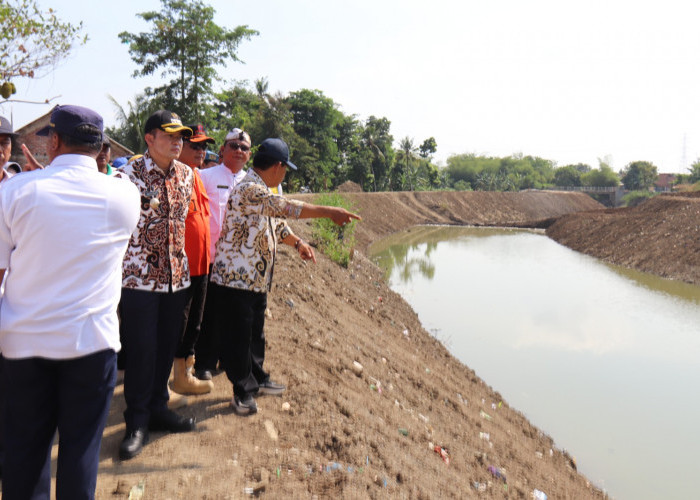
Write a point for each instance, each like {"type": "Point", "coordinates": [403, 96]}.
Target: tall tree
{"type": "Point", "coordinates": [185, 42]}
{"type": "Point", "coordinates": [403, 174]}
{"type": "Point", "coordinates": [232, 107]}
{"type": "Point", "coordinates": [316, 119]}
{"type": "Point", "coordinates": [601, 177]}
{"type": "Point", "coordinates": [428, 148]}
{"type": "Point", "coordinates": [378, 140]}
{"type": "Point", "coordinates": [32, 42]}
{"type": "Point", "coordinates": [567, 176]}
{"type": "Point", "coordinates": [639, 175]}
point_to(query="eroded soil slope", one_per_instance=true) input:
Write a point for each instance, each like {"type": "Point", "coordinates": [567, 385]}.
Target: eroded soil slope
{"type": "Point", "coordinates": [660, 236]}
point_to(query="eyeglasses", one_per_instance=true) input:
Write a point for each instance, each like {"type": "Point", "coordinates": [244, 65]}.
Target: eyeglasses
{"type": "Point", "coordinates": [236, 146]}
{"type": "Point", "coordinates": [197, 146]}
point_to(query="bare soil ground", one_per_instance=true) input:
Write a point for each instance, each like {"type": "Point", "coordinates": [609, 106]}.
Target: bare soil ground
{"type": "Point", "coordinates": [660, 236]}
{"type": "Point", "coordinates": [339, 432]}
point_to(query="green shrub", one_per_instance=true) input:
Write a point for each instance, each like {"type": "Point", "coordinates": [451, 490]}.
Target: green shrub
{"type": "Point", "coordinates": [634, 198]}
{"type": "Point", "coordinates": [338, 242]}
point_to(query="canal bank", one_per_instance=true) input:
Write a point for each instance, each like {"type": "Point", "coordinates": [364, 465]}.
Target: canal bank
{"type": "Point", "coordinates": [340, 436]}
{"type": "Point", "coordinates": [581, 347]}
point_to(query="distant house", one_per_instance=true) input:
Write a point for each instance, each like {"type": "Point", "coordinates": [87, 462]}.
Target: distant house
{"type": "Point", "coordinates": [36, 144]}
{"type": "Point", "coordinates": [664, 182]}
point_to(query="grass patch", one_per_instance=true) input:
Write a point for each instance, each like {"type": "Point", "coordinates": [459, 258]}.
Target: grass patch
{"type": "Point", "coordinates": [634, 198]}
{"type": "Point", "coordinates": [338, 242]}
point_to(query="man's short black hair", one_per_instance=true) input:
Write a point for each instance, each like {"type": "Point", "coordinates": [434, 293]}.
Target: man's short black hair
{"type": "Point", "coordinates": [87, 146]}
{"type": "Point", "coordinates": [263, 162]}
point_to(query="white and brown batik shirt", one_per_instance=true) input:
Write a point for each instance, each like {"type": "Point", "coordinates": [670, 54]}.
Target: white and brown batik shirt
{"type": "Point", "coordinates": [252, 227]}
{"type": "Point", "coordinates": [155, 259]}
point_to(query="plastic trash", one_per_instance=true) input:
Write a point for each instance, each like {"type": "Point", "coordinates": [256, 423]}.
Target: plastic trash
{"type": "Point", "coordinates": [485, 415]}
{"type": "Point", "coordinates": [137, 491]}
{"type": "Point", "coordinates": [443, 452]}
{"type": "Point", "coordinates": [403, 432]}
{"type": "Point", "coordinates": [497, 473]}
{"type": "Point", "coordinates": [539, 495]}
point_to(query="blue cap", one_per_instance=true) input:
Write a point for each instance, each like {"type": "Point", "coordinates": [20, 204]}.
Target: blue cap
{"type": "Point", "coordinates": [66, 119]}
{"type": "Point", "coordinates": [211, 156]}
{"type": "Point", "coordinates": [276, 149]}
{"type": "Point", "coordinates": [120, 162]}
{"type": "Point", "coordinates": [6, 127]}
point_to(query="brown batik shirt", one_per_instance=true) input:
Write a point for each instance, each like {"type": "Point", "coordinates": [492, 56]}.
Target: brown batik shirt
{"type": "Point", "coordinates": [251, 229]}
{"type": "Point", "coordinates": [155, 259]}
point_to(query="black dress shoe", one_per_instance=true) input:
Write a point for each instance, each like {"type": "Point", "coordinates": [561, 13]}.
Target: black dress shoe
{"type": "Point", "coordinates": [170, 421]}
{"type": "Point", "coordinates": [133, 443]}
{"type": "Point", "coordinates": [271, 388]}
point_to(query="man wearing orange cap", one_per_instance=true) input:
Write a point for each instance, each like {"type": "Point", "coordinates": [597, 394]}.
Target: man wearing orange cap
{"type": "Point", "coordinates": [197, 241]}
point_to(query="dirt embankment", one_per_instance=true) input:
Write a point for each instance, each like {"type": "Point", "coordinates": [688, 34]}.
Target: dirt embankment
{"type": "Point", "coordinates": [660, 236]}
{"type": "Point", "coordinates": [345, 432]}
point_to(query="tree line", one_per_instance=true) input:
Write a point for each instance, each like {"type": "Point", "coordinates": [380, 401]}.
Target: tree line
{"type": "Point", "coordinates": [185, 46]}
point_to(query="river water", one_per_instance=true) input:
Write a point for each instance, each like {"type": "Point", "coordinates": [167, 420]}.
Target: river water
{"type": "Point", "coordinates": [604, 360]}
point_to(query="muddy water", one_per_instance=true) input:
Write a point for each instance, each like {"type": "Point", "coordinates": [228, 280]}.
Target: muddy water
{"type": "Point", "coordinates": [604, 360]}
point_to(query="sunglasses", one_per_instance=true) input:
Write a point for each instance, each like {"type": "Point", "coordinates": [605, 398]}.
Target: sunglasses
{"type": "Point", "coordinates": [235, 146]}
{"type": "Point", "coordinates": [198, 146]}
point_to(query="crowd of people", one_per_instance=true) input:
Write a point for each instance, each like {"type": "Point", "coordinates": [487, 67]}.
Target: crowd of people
{"type": "Point", "coordinates": [152, 264]}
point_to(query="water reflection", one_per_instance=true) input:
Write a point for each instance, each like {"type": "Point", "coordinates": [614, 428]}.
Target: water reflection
{"type": "Point", "coordinates": [602, 358]}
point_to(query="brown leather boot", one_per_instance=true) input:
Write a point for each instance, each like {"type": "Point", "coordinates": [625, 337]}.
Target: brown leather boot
{"type": "Point", "coordinates": [176, 400]}
{"type": "Point", "coordinates": [185, 382]}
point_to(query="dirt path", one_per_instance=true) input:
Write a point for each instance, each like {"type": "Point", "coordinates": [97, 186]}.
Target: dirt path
{"type": "Point", "coordinates": [344, 433]}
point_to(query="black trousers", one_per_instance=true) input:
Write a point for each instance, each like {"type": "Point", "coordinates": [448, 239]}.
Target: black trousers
{"type": "Point", "coordinates": [192, 317]}
{"type": "Point", "coordinates": [151, 325]}
{"type": "Point", "coordinates": [239, 319]}
{"type": "Point", "coordinates": [45, 395]}
{"type": "Point", "coordinates": [206, 349]}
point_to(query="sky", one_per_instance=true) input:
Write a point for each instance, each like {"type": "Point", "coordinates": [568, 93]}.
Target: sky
{"type": "Point", "coordinates": [572, 82]}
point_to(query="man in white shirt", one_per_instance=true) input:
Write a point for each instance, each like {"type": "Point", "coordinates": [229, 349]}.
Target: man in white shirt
{"type": "Point", "coordinates": [219, 181]}
{"type": "Point", "coordinates": [63, 234]}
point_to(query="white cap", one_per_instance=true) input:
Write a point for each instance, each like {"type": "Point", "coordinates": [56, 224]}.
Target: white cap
{"type": "Point", "coordinates": [237, 134]}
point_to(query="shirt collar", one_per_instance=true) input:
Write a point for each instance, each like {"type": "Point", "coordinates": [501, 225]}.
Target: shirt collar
{"type": "Point", "coordinates": [150, 165]}
{"type": "Point", "coordinates": [254, 177]}
{"type": "Point", "coordinates": [74, 160]}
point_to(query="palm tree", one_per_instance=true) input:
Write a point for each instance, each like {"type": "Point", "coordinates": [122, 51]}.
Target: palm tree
{"type": "Point", "coordinates": [130, 131]}
{"type": "Point", "coordinates": [407, 151]}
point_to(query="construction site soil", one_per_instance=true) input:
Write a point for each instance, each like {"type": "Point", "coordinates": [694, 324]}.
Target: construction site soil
{"type": "Point", "coordinates": [376, 407]}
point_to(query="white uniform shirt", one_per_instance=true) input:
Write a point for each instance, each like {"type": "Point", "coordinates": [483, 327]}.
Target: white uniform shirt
{"type": "Point", "coordinates": [218, 181]}
{"type": "Point", "coordinates": [63, 234]}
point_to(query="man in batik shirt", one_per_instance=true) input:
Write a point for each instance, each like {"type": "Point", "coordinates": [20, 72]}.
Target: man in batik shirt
{"type": "Point", "coordinates": [243, 265]}
{"type": "Point", "coordinates": [155, 280]}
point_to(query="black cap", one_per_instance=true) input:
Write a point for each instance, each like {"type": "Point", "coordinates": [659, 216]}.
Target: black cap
{"type": "Point", "coordinates": [6, 127]}
{"type": "Point", "coordinates": [167, 121]}
{"type": "Point", "coordinates": [199, 134]}
{"type": "Point", "coordinates": [276, 149]}
{"type": "Point", "coordinates": [66, 119]}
